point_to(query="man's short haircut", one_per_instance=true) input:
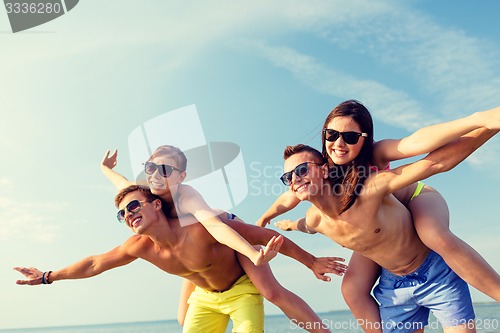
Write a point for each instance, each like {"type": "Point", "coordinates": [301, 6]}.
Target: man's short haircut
{"type": "Point", "coordinates": [301, 148]}
{"type": "Point", "coordinates": [132, 188]}
{"type": "Point", "coordinates": [172, 152]}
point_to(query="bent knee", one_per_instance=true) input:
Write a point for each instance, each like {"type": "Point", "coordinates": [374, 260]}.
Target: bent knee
{"type": "Point", "coordinates": [351, 290]}
{"type": "Point", "coordinates": [354, 298]}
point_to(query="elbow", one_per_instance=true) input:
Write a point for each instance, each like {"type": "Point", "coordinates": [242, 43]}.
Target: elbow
{"type": "Point", "coordinates": [435, 166]}
{"type": "Point", "coordinates": [439, 167]}
{"type": "Point", "coordinates": [94, 268]}
{"type": "Point", "coordinates": [445, 164]}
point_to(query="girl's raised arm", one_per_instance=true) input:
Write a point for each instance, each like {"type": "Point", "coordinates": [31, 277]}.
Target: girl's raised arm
{"type": "Point", "coordinates": [430, 138]}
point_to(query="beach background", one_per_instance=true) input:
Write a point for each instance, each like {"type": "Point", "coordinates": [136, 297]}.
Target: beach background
{"type": "Point", "coordinates": [487, 321]}
{"type": "Point", "coordinates": [262, 75]}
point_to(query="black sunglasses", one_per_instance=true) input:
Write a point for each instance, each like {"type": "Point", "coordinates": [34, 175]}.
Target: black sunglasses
{"type": "Point", "coordinates": [300, 170]}
{"type": "Point", "coordinates": [164, 170]}
{"type": "Point", "coordinates": [133, 206]}
{"type": "Point", "coordinates": [351, 138]}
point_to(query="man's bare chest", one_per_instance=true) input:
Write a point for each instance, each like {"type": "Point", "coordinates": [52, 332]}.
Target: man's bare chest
{"type": "Point", "coordinates": [183, 260]}
{"type": "Point", "coordinates": [358, 234]}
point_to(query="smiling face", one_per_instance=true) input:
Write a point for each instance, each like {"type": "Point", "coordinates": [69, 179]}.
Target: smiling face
{"type": "Point", "coordinates": [348, 116]}
{"type": "Point", "coordinates": [139, 219]}
{"type": "Point", "coordinates": [311, 182]}
{"type": "Point", "coordinates": [160, 185]}
{"type": "Point", "coordinates": [339, 151]}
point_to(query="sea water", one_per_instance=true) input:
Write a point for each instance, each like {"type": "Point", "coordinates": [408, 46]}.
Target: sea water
{"type": "Point", "coordinates": [487, 321]}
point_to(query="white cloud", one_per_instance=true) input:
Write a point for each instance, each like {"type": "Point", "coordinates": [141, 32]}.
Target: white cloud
{"type": "Point", "coordinates": [454, 72]}
{"type": "Point", "coordinates": [27, 221]}
{"type": "Point", "coordinates": [388, 105]}
{"type": "Point", "coordinates": [487, 158]}
{"type": "Point", "coordinates": [391, 106]}
{"type": "Point", "coordinates": [457, 69]}
{"type": "Point", "coordinates": [5, 183]}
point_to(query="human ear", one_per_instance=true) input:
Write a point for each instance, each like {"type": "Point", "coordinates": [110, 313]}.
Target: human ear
{"type": "Point", "coordinates": [182, 176]}
{"type": "Point", "coordinates": [157, 204]}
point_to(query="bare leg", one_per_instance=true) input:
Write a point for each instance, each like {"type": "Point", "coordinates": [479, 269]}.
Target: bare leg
{"type": "Point", "coordinates": [356, 287]}
{"type": "Point", "coordinates": [186, 290]}
{"type": "Point", "coordinates": [431, 220]}
{"type": "Point", "coordinates": [292, 305]}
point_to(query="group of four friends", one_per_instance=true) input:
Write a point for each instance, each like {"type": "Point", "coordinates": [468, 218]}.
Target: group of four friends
{"type": "Point", "coordinates": [397, 227]}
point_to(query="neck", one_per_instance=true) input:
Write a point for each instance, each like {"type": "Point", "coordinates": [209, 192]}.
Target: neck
{"type": "Point", "coordinates": [326, 200]}
{"type": "Point", "coordinates": [167, 196]}
{"type": "Point", "coordinates": [164, 232]}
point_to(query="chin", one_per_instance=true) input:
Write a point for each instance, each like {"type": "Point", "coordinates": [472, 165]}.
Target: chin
{"type": "Point", "coordinates": [158, 191]}
{"type": "Point", "coordinates": [302, 196]}
{"type": "Point", "coordinates": [341, 161]}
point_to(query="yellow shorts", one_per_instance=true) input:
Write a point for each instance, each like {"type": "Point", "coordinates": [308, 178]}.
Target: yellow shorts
{"type": "Point", "coordinates": [210, 311]}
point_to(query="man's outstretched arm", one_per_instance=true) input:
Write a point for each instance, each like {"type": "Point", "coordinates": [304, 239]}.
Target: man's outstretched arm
{"type": "Point", "coordinates": [257, 235]}
{"type": "Point", "coordinates": [440, 160]}
{"type": "Point", "coordinates": [82, 269]}
{"type": "Point", "coordinates": [450, 155]}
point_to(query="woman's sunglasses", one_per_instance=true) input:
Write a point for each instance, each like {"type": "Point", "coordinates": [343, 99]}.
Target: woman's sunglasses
{"type": "Point", "coordinates": [164, 170]}
{"type": "Point", "coordinates": [300, 171]}
{"type": "Point", "coordinates": [133, 206]}
{"type": "Point", "coordinates": [351, 138]}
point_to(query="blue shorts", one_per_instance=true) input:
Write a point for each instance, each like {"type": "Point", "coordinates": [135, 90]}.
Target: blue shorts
{"type": "Point", "coordinates": [405, 301]}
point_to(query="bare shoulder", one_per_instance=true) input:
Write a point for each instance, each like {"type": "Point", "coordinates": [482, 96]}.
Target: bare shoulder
{"type": "Point", "coordinates": [184, 189]}
{"type": "Point", "coordinates": [137, 244]}
{"type": "Point", "coordinates": [313, 217]}
{"type": "Point", "coordinates": [188, 196]}
{"type": "Point", "coordinates": [377, 155]}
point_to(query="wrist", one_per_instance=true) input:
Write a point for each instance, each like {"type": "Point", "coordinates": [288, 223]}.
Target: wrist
{"type": "Point", "coordinates": [478, 119]}
{"type": "Point", "coordinates": [255, 256]}
{"type": "Point", "coordinates": [46, 277]}
{"type": "Point", "coordinates": [311, 261]}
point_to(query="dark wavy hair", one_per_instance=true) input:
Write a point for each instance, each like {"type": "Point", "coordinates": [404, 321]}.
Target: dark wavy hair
{"type": "Point", "coordinates": [352, 175]}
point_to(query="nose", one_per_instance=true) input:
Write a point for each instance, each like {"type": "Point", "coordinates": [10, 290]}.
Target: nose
{"type": "Point", "coordinates": [339, 142]}
{"type": "Point", "coordinates": [295, 178]}
{"type": "Point", "coordinates": [128, 214]}
{"type": "Point", "coordinates": [155, 173]}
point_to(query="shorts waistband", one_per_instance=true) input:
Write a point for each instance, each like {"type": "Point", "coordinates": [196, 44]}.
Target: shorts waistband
{"type": "Point", "coordinates": [240, 280]}
{"type": "Point", "coordinates": [421, 270]}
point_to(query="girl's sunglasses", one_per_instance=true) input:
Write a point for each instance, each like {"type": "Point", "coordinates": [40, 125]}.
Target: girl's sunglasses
{"type": "Point", "coordinates": [133, 206]}
{"type": "Point", "coordinates": [164, 170]}
{"type": "Point", "coordinates": [351, 138]}
{"type": "Point", "coordinates": [300, 171]}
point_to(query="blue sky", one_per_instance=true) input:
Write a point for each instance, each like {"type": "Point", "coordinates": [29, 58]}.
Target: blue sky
{"type": "Point", "coordinates": [262, 75]}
